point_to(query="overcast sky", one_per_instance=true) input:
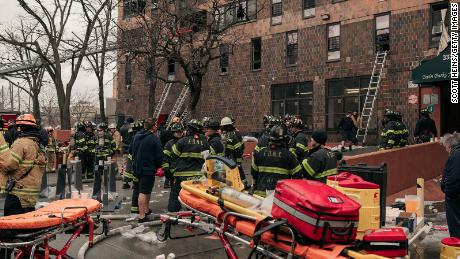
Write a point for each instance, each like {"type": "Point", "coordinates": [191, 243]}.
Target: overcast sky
{"type": "Point", "coordinates": [86, 81]}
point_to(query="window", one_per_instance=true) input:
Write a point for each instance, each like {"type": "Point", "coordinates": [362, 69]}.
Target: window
{"type": "Point", "coordinates": [154, 4]}
{"type": "Point", "coordinates": [171, 67]}
{"type": "Point", "coordinates": [133, 7]}
{"type": "Point", "coordinates": [382, 32]}
{"type": "Point", "coordinates": [277, 11]}
{"type": "Point", "coordinates": [338, 1]}
{"type": "Point", "coordinates": [132, 39]}
{"type": "Point", "coordinates": [194, 20]}
{"type": "Point", "coordinates": [236, 12]}
{"type": "Point", "coordinates": [343, 95]}
{"type": "Point", "coordinates": [308, 8]}
{"type": "Point", "coordinates": [294, 99]}
{"type": "Point", "coordinates": [438, 11]}
{"type": "Point", "coordinates": [256, 53]}
{"type": "Point", "coordinates": [291, 48]}
{"type": "Point", "coordinates": [333, 42]}
{"type": "Point", "coordinates": [128, 71]}
{"type": "Point", "coordinates": [223, 64]}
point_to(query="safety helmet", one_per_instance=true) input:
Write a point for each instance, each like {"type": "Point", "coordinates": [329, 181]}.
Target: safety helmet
{"type": "Point", "coordinates": [49, 129]}
{"type": "Point", "coordinates": [274, 120]}
{"type": "Point", "coordinates": [112, 126]}
{"type": "Point", "coordinates": [265, 119]}
{"type": "Point", "coordinates": [87, 124]}
{"type": "Point", "coordinates": [194, 125]}
{"type": "Point", "coordinates": [205, 121]}
{"type": "Point", "coordinates": [425, 112]}
{"type": "Point", "coordinates": [137, 125]}
{"type": "Point", "coordinates": [296, 123]}
{"type": "Point", "coordinates": [26, 119]}
{"type": "Point", "coordinates": [212, 124]}
{"type": "Point", "coordinates": [177, 127]}
{"type": "Point", "coordinates": [278, 133]}
{"type": "Point", "coordinates": [102, 126]}
{"type": "Point", "coordinates": [389, 113]}
{"type": "Point", "coordinates": [226, 121]}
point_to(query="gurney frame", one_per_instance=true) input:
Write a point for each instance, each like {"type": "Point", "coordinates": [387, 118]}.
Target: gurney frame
{"type": "Point", "coordinates": [41, 238]}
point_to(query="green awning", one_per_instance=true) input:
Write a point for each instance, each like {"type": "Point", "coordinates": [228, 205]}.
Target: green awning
{"type": "Point", "coordinates": [433, 70]}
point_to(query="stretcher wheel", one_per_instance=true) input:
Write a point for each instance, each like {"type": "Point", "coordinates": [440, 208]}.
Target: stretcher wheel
{"type": "Point", "coordinates": [163, 232]}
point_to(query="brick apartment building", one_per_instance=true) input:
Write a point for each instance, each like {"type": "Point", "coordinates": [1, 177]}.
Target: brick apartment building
{"type": "Point", "coordinates": [314, 58]}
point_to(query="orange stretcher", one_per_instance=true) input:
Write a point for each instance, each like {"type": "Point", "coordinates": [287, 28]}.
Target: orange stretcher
{"type": "Point", "coordinates": [29, 233]}
{"type": "Point", "coordinates": [252, 231]}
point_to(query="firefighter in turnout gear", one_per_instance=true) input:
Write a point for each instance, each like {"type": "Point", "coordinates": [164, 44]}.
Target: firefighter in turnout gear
{"type": "Point", "coordinates": [187, 153]}
{"type": "Point", "coordinates": [214, 139]}
{"type": "Point", "coordinates": [22, 167]}
{"type": "Point", "coordinates": [394, 133]}
{"type": "Point", "coordinates": [105, 148]}
{"type": "Point", "coordinates": [425, 129]}
{"type": "Point", "coordinates": [321, 162]}
{"type": "Point", "coordinates": [298, 144]}
{"type": "Point", "coordinates": [273, 163]}
{"type": "Point", "coordinates": [77, 141]}
{"type": "Point", "coordinates": [51, 150]}
{"type": "Point", "coordinates": [129, 172]}
{"type": "Point", "coordinates": [88, 150]}
{"type": "Point", "coordinates": [169, 164]}
{"type": "Point", "coordinates": [233, 145]}
{"type": "Point", "coordinates": [264, 138]}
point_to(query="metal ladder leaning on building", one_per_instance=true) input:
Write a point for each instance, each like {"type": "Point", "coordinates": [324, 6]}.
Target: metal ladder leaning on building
{"type": "Point", "coordinates": [178, 106]}
{"type": "Point", "coordinates": [162, 100]}
{"type": "Point", "coordinates": [371, 96]}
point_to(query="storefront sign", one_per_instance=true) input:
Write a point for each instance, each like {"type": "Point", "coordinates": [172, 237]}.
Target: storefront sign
{"type": "Point", "coordinates": [410, 84]}
{"type": "Point", "coordinates": [413, 99]}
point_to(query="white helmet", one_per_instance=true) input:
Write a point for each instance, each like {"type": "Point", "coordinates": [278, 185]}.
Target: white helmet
{"type": "Point", "coordinates": [226, 121]}
{"type": "Point", "coordinates": [112, 126]}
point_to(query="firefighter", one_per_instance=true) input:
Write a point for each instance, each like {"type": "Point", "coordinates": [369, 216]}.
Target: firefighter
{"type": "Point", "coordinates": [273, 163]}
{"type": "Point", "coordinates": [169, 164]}
{"type": "Point", "coordinates": [105, 148]}
{"type": "Point", "coordinates": [214, 139]}
{"type": "Point", "coordinates": [10, 134]}
{"type": "Point", "coordinates": [22, 166]}
{"type": "Point", "coordinates": [321, 162]}
{"type": "Point", "coordinates": [425, 129]}
{"type": "Point", "coordinates": [126, 138]}
{"type": "Point", "coordinates": [51, 150]}
{"type": "Point", "coordinates": [298, 143]}
{"type": "Point", "coordinates": [189, 160]}
{"type": "Point", "coordinates": [116, 137]}
{"type": "Point", "coordinates": [394, 133]}
{"type": "Point", "coordinates": [264, 139]}
{"type": "Point", "coordinates": [88, 145]}
{"type": "Point", "coordinates": [233, 144]}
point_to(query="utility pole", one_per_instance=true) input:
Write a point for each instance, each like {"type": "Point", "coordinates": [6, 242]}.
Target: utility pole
{"type": "Point", "coordinates": [19, 100]}
{"type": "Point", "coordinates": [11, 96]}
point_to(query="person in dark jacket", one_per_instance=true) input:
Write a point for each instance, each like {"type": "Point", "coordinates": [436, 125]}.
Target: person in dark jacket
{"type": "Point", "coordinates": [321, 162]}
{"type": "Point", "coordinates": [188, 152]}
{"type": "Point", "coordinates": [273, 163]}
{"type": "Point", "coordinates": [214, 139]}
{"type": "Point", "coordinates": [298, 144]}
{"type": "Point", "coordinates": [129, 172]}
{"type": "Point", "coordinates": [425, 129]}
{"type": "Point", "coordinates": [450, 183]}
{"type": "Point", "coordinates": [169, 164]}
{"type": "Point", "coordinates": [264, 138]}
{"type": "Point", "coordinates": [147, 158]}
{"type": "Point", "coordinates": [347, 129]}
{"type": "Point", "coordinates": [10, 134]}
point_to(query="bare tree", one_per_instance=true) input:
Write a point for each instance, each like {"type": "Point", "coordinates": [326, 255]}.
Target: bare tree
{"type": "Point", "coordinates": [49, 107]}
{"type": "Point", "coordinates": [52, 18]}
{"type": "Point", "coordinates": [30, 80]}
{"type": "Point", "coordinates": [82, 107]}
{"type": "Point", "coordinates": [103, 40]}
{"type": "Point", "coordinates": [200, 33]}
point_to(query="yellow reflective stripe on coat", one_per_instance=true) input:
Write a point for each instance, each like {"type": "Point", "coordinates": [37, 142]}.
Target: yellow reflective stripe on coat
{"type": "Point", "coordinates": [301, 146]}
{"type": "Point", "coordinates": [262, 194]}
{"type": "Point", "coordinates": [188, 173]}
{"type": "Point", "coordinates": [165, 165]}
{"type": "Point", "coordinates": [237, 145]}
{"type": "Point", "coordinates": [212, 151]}
{"type": "Point", "coordinates": [292, 150]}
{"type": "Point", "coordinates": [326, 173]}
{"type": "Point", "coordinates": [308, 168]}
{"type": "Point", "coordinates": [4, 148]}
{"type": "Point", "coordinates": [167, 152]}
{"type": "Point", "coordinates": [257, 148]}
{"type": "Point", "coordinates": [192, 155]}
{"type": "Point", "coordinates": [239, 160]}
{"type": "Point", "coordinates": [175, 151]}
{"type": "Point", "coordinates": [385, 133]}
{"type": "Point", "coordinates": [16, 157]}
{"type": "Point", "coordinates": [296, 169]}
{"type": "Point", "coordinates": [273, 170]}
{"type": "Point", "coordinates": [254, 166]}
{"type": "Point", "coordinates": [391, 141]}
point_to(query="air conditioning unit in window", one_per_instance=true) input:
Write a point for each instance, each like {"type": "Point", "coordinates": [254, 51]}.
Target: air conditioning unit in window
{"type": "Point", "coordinates": [437, 29]}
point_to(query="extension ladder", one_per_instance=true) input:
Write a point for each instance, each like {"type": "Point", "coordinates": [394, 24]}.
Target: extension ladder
{"type": "Point", "coordinates": [162, 100]}
{"type": "Point", "coordinates": [178, 105]}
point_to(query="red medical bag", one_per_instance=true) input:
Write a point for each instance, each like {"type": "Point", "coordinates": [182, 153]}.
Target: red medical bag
{"type": "Point", "coordinates": [317, 211]}
{"type": "Point", "coordinates": [388, 242]}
